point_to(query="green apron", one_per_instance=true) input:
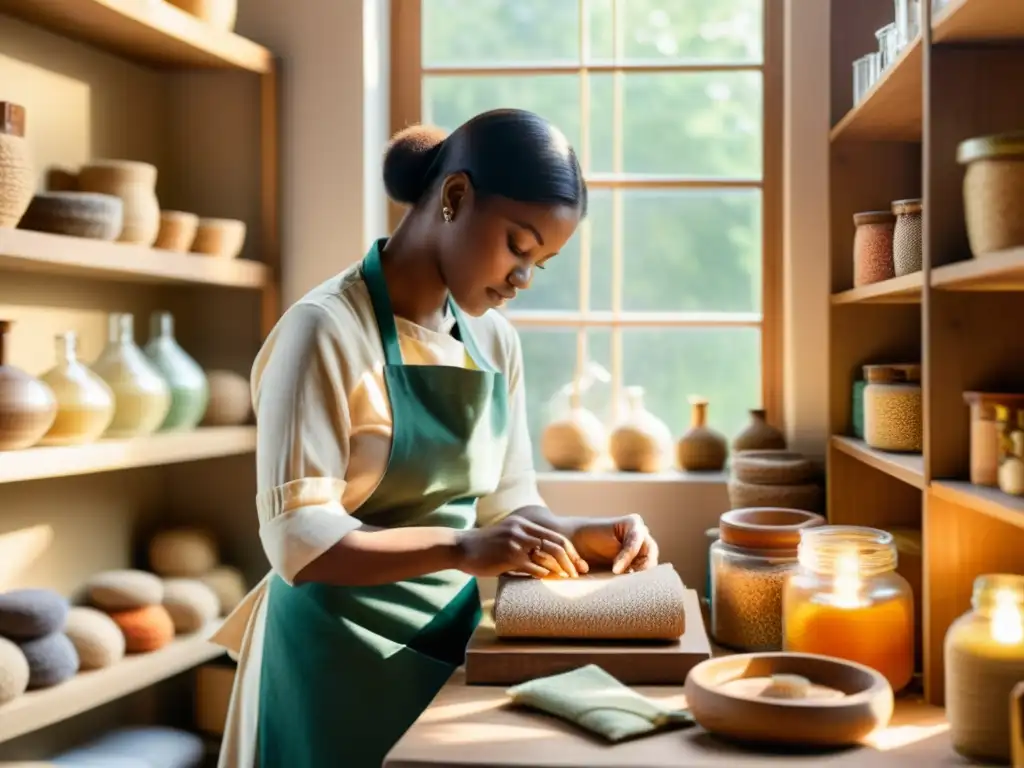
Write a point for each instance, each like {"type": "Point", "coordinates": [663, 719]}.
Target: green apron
{"type": "Point", "coordinates": [346, 670]}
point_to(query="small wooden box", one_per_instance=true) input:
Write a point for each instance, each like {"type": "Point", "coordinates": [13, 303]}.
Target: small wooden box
{"type": "Point", "coordinates": [490, 661]}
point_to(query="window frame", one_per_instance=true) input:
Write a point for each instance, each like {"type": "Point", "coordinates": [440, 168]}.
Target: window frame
{"type": "Point", "coordinates": [405, 97]}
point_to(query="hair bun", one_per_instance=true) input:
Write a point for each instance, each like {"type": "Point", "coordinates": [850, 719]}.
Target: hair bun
{"type": "Point", "coordinates": [407, 161]}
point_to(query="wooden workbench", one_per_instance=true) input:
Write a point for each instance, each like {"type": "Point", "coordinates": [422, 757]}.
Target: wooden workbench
{"type": "Point", "coordinates": [473, 726]}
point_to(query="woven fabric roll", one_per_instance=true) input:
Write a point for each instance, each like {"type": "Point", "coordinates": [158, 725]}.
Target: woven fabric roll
{"type": "Point", "coordinates": [600, 606]}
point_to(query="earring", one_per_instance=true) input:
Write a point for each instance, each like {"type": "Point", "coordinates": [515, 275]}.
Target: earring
{"type": "Point", "coordinates": [447, 213]}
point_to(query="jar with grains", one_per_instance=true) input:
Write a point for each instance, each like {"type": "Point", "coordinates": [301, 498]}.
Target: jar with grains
{"type": "Point", "coordinates": [993, 191]}
{"type": "Point", "coordinates": [1010, 425]}
{"type": "Point", "coordinates": [985, 433]}
{"type": "Point", "coordinates": [755, 553]}
{"type": "Point", "coordinates": [872, 247]}
{"type": "Point", "coordinates": [893, 407]}
{"type": "Point", "coordinates": [857, 408]}
{"type": "Point", "coordinates": [907, 238]}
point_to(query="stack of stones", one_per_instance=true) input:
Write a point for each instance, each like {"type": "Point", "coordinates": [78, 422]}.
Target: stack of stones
{"type": "Point", "coordinates": [34, 651]}
{"type": "Point", "coordinates": [133, 599]}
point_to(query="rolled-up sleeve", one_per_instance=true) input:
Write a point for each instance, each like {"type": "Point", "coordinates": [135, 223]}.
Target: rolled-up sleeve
{"type": "Point", "coordinates": [518, 485]}
{"type": "Point", "coordinates": [302, 446]}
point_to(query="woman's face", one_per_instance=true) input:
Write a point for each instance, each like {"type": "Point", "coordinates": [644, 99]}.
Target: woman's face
{"type": "Point", "coordinates": [493, 247]}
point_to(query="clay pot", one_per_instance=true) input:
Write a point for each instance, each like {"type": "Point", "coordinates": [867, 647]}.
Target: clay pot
{"type": "Point", "coordinates": [701, 449]}
{"type": "Point", "coordinates": [177, 231]}
{"type": "Point", "coordinates": [759, 435]}
{"type": "Point", "coordinates": [222, 238]}
{"type": "Point", "coordinates": [217, 13]}
{"type": "Point", "coordinates": [17, 176]}
{"type": "Point", "coordinates": [135, 184]}
{"type": "Point", "coordinates": [574, 443]}
{"type": "Point", "coordinates": [641, 442]}
{"type": "Point", "coordinates": [772, 468]}
{"type": "Point", "coordinates": [77, 214]}
{"type": "Point", "coordinates": [27, 405]}
{"type": "Point", "coordinates": [805, 496]}
{"type": "Point", "coordinates": [85, 403]}
{"type": "Point", "coordinates": [230, 402]}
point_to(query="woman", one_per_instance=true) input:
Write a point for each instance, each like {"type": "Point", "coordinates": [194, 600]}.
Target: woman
{"type": "Point", "coordinates": [393, 460]}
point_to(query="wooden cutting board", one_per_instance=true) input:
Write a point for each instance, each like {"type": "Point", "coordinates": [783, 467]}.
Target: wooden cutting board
{"type": "Point", "coordinates": [490, 661]}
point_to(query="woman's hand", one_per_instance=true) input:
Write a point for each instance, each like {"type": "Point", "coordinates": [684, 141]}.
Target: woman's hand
{"type": "Point", "coordinates": [518, 545]}
{"type": "Point", "coordinates": [623, 542]}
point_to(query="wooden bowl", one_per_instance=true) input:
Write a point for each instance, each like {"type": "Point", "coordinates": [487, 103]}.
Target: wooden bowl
{"type": "Point", "coordinates": [177, 231]}
{"type": "Point", "coordinates": [863, 700]}
{"type": "Point", "coordinates": [222, 238]}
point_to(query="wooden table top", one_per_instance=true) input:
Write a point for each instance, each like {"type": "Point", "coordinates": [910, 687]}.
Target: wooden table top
{"type": "Point", "coordinates": [474, 726]}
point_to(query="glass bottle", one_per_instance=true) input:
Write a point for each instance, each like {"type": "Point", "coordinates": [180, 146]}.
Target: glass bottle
{"type": "Point", "coordinates": [85, 402]}
{"type": "Point", "coordinates": [984, 660]}
{"type": "Point", "coordinates": [189, 388]}
{"type": "Point", "coordinates": [847, 600]}
{"type": "Point", "coordinates": [640, 442]}
{"type": "Point", "coordinates": [142, 397]}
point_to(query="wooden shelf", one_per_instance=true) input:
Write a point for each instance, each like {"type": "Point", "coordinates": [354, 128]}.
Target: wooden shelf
{"type": "Point", "coordinates": [111, 455]}
{"type": "Point", "coordinates": [60, 254]}
{"type": "Point", "coordinates": [1002, 271]}
{"type": "Point", "coordinates": [151, 32]}
{"type": "Point", "coordinates": [908, 468]}
{"type": "Point", "coordinates": [898, 290]}
{"type": "Point", "coordinates": [980, 498]}
{"type": "Point", "coordinates": [88, 690]}
{"type": "Point", "coordinates": [979, 20]}
{"type": "Point", "coordinates": [891, 110]}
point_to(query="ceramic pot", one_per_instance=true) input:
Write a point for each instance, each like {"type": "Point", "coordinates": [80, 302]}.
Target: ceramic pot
{"type": "Point", "coordinates": [177, 231]}
{"type": "Point", "coordinates": [759, 435]}
{"type": "Point", "coordinates": [217, 13]}
{"type": "Point", "coordinates": [189, 390]}
{"type": "Point", "coordinates": [85, 403]}
{"type": "Point", "coordinates": [701, 449]}
{"type": "Point", "coordinates": [135, 184]}
{"type": "Point", "coordinates": [230, 401]}
{"type": "Point", "coordinates": [27, 405]}
{"type": "Point", "coordinates": [77, 214]}
{"type": "Point", "coordinates": [221, 238]}
{"type": "Point", "coordinates": [141, 395]}
{"type": "Point", "coordinates": [641, 442]}
{"type": "Point", "coordinates": [17, 176]}
{"type": "Point", "coordinates": [574, 443]}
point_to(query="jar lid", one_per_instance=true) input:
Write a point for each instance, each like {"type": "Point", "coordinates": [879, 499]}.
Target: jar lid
{"type": "Point", "coordinates": [1004, 145]}
{"type": "Point", "coordinates": [766, 527]}
{"type": "Point", "coordinates": [12, 119]}
{"type": "Point", "coordinates": [893, 373]}
{"type": "Point", "coordinates": [904, 207]}
{"type": "Point", "coordinates": [873, 217]}
{"type": "Point", "coordinates": [993, 398]}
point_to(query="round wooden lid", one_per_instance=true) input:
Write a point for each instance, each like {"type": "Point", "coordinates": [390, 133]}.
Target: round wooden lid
{"type": "Point", "coordinates": [763, 528]}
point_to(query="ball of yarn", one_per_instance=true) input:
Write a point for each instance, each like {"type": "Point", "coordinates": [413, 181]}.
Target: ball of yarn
{"type": "Point", "coordinates": [182, 552]}
{"type": "Point", "coordinates": [228, 583]}
{"type": "Point", "coordinates": [160, 746]}
{"type": "Point", "coordinates": [14, 671]}
{"type": "Point", "coordinates": [52, 659]}
{"type": "Point", "coordinates": [145, 629]}
{"type": "Point", "coordinates": [26, 614]}
{"type": "Point", "coordinates": [190, 603]}
{"type": "Point", "coordinates": [96, 637]}
{"type": "Point", "coordinates": [124, 590]}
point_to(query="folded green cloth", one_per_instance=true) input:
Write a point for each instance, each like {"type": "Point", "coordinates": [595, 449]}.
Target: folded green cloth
{"type": "Point", "coordinates": [591, 698]}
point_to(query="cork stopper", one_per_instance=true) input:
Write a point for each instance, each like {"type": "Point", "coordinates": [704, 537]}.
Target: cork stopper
{"type": "Point", "coordinates": [12, 119]}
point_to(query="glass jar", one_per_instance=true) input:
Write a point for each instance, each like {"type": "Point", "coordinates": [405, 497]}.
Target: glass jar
{"type": "Point", "coordinates": [888, 47]}
{"type": "Point", "coordinates": [866, 71]}
{"type": "Point", "coordinates": [85, 403]}
{"type": "Point", "coordinates": [857, 408]}
{"type": "Point", "coordinates": [984, 660]}
{"type": "Point", "coordinates": [893, 408]}
{"type": "Point", "coordinates": [908, 21]}
{"type": "Point", "coordinates": [872, 247]}
{"type": "Point", "coordinates": [189, 389]}
{"type": "Point", "coordinates": [907, 237]}
{"type": "Point", "coordinates": [847, 600]}
{"type": "Point", "coordinates": [1010, 428]}
{"type": "Point", "coordinates": [754, 555]}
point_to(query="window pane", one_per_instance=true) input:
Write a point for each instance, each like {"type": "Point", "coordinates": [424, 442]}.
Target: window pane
{"type": "Point", "coordinates": [670, 31]}
{"type": "Point", "coordinates": [684, 250]}
{"type": "Point", "coordinates": [475, 32]}
{"type": "Point", "coordinates": [721, 364]}
{"type": "Point", "coordinates": [549, 360]}
{"type": "Point", "coordinates": [705, 124]}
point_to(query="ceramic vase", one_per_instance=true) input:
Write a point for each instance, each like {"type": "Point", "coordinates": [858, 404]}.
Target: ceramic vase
{"type": "Point", "coordinates": [17, 177]}
{"type": "Point", "coordinates": [27, 405]}
{"type": "Point", "coordinates": [759, 435]}
{"type": "Point", "coordinates": [142, 397]}
{"type": "Point", "coordinates": [85, 402]}
{"type": "Point", "coordinates": [575, 442]}
{"type": "Point", "coordinates": [701, 449]}
{"type": "Point", "coordinates": [230, 400]}
{"type": "Point", "coordinates": [641, 442]}
{"type": "Point", "coordinates": [135, 184]}
{"type": "Point", "coordinates": [189, 390]}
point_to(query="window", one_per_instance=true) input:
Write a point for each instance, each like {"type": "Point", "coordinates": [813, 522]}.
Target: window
{"type": "Point", "coordinates": [674, 108]}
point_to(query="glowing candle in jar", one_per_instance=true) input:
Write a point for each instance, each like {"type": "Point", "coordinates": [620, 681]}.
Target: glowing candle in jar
{"type": "Point", "coordinates": [984, 658]}
{"type": "Point", "coordinates": [846, 600]}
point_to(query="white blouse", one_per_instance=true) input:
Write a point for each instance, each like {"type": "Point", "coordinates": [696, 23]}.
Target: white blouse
{"type": "Point", "coordinates": [323, 440]}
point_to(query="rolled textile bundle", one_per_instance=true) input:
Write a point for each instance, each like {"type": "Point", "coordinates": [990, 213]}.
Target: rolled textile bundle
{"type": "Point", "coordinates": [600, 606]}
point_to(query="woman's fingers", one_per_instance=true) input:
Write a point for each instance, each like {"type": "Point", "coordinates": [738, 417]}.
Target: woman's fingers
{"type": "Point", "coordinates": [551, 551]}
{"type": "Point", "coordinates": [631, 546]}
{"type": "Point", "coordinates": [532, 569]}
{"type": "Point", "coordinates": [542, 534]}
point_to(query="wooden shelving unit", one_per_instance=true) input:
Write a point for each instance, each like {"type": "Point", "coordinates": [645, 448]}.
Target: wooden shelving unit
{"type": "Point", "coordinates": [136, 80]}
{"type": "Point", "coordinates": [959, 316]}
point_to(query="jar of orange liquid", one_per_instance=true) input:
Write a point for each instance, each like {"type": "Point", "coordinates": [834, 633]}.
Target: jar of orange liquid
{"type": "Point", "coordinates": [846, 600]}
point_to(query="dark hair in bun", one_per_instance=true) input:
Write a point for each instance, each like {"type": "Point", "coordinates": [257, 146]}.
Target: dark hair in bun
{"type": "Point", "coordinates": [507, 152]}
